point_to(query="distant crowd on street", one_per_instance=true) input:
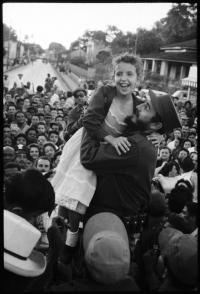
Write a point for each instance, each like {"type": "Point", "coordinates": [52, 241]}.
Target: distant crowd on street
{"type": "Point", "coordinates": [54, 243]}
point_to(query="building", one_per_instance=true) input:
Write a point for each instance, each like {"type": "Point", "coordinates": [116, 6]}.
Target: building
{"type": "Point", "coordinates": [14, 49]}
{"type": "Point", "coordinates": [173, 61]}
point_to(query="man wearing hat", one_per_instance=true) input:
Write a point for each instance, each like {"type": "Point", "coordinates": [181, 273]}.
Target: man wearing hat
{"type": "Point", "coordinates": [6, 84]}
{"type": "Point", "coordinates": [76, 114]}
{"type": "Point", "coordinates": [124, 182]}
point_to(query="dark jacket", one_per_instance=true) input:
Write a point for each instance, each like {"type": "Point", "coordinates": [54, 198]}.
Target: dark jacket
{"type": "Point", "coordinates": [74, 120]}
{"type": "Point", "coordinates": [123, 182]}
{"type": "Point", "coordinates": [98, 109]}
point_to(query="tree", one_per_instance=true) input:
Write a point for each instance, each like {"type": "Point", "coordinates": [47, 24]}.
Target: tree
{"type": "Point", "coordinates": [57, 47]}
{"type": "Point", "coordinates": [9, 33]}
{"type": "Point", "coordinates": [180, 23]}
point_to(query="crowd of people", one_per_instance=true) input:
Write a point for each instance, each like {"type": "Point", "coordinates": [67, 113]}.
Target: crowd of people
{"type": "Point", "coordinates": [100, 194]}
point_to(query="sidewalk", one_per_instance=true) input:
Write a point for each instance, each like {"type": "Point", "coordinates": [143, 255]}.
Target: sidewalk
{"type": "Point", "coordinates": [10, 68]}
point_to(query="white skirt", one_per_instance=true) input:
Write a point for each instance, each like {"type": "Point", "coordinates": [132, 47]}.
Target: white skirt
{"type": "Point", "coordinates": [72, 183]}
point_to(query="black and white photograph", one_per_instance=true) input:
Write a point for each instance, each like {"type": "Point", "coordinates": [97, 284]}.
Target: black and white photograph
{"type": "Point", "coordinates": [100, 152]}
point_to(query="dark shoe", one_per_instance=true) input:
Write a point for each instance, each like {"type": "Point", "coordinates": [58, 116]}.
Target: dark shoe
{"type": "Point", "coordinates": [67, 254]}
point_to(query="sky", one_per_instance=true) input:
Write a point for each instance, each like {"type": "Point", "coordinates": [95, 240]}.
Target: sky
{"type": "Point", "coordinates": [66, 22]}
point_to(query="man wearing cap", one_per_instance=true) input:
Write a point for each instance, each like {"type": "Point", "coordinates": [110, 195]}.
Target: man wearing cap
{"type": "Point", "coordinates": [124, 182]}
{"type": "Point", "coordinates": [76, 114]}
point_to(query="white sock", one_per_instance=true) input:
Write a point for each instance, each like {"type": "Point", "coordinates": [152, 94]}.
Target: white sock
{"type": "Point", "coordinates": [72, 238]}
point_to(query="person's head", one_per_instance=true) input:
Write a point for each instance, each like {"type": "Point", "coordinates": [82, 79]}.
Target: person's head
{"type": "Point", "coordinates": [27, 102]}
{"type": "Point", "coordinates": [20, 76]}
{"type": "Point", "coordinates": [182, 153]}
{"type": "Point", "coordinates": [194, 157]}
{"type": "Point", "coordinates": [41, 128]}
{"type": "Point", "coordinates": [165, 153]}
{"type": "Point", "coordinates": [21, 140]}
{"type": "Point", "coordinates": [11, 169]}
{"type": "Point", "coordinates": [8, 154]}
{"type": "Point", "coordinates": [106, 248]}
{"type": "Point", "coordinates": [11, 110]}
{"type": "Point", "coordinates": [79, 96]}
{"type": "Point", "coordinates": [192, 137]}
{"type": "Point", "coordinates": [178, 198]}
{"type": "Point", "coordinates": [180, 256]}
{"type": "Point", "coordinates": [41, 139]}
{"type": "Point", "coordinates": [7, 141]}
{"type": "Point", "coordinates": [55, 127]}
{"type": "Point", "coordinates": [31, 135]}
{"type": "Point", "coordinates": [35, 120]}
{"type": "Point", "coordinates": [20, 103]}
{"type": "Point", "coordinates": [177, 142]}
{"type": "Point", "coordinates": [32, 110]}
{"type": "Point", "coordinates": [41, 117]}
{"type": "Point", "coordinates": [34, 151]}
{"type": "Point", "coordinates": [188, 105]}
{"type": "Point", "coordinates": [157, 113]}
{"type": "Point", "coordinates": [59, 119]}
{"type": "Point", "coordinates": [185, 130]}
{"type": "Point", "coordinates": [187, 144]}
{"type": "Point", "coordinates": [56, 158]}
{"type": "Point", "coordinates": [127, 73]}
{"type": "Point", "coordinates": [6, 130]}
{"type": "Point", "coordinates": [157, 205]}
{"type": "Point", "coordinates": [49, 149]}
{"type": "Point", "coordinates": [43, 164]}
{"type": "Point", "coordinates": [39, 89]}
{"type": "Point", "coordinates": [186, 164]}
{"type": "Point", "coordinates": [21, 156]}
{"type": "Point", "coordinates": [177, 133]}
{"type": "Point", "coordinates": [53, 136]}
{"type": "Point", "coordinates": [29, 194]}
{"type": "Point", "coordinates": [170, 169]}
{"type": "Point", "coordinates": [53, 113]}
{"type": "Point", "coordinates": [62, 101]}
{"type": "Point", "coordinates": [20, 117]}
{"type": "Point", "coordinates": [60, 112]}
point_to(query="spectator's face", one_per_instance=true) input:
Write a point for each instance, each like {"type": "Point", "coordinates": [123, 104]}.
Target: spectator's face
{"type": "Point", "coordinates": [59, 120]}
{"type": "Point", "coordinates": [164, 154]}
{"type": "Point", "coordinates": [35, 120]}
{"type": "Point", "coordinates": [32, 136]}
{"type": "Point", "coordinates": [43, 165]}
{"type": "Point", "coordinates": [53, 138]}
{"type": "Point", "coordinates": [27, 103]}
{"type": "Point", "coordinates": [47, 108]}
{"type": "Point", "coordinates": [192, 138]}
{"type": "Point", "coordinates": [11, 110]}
{"type": "Point", "coordinates": [80, 97]}
{"type": "Point", "coordinates": [185, 130]}
{"type": "Point", "coordinates": [40, 110]}
{"type": "Point", "coordinates": [34, 152]}
{"type": "Point", "coordinates": [55, 128]}
{"type": "Point", "coordinates": [20, 118]}
{"type": "Point", "coordinates": [62, 102]}
{"type": "Point", "coordinates": [184, 121]}
{"type": "Point", "coordinates": [41, 129]}
{"type": "Point", "coordinates": [187, 145]}
{"type": "Point", "coordinates": [194, 158]}
{"type": "Point", "coordinates": [7, 141]}
{"type": "Point", "coordinates": [125, 78]}
{"type": "Point", "coordinates": [60, 112]}
{"type": "Point", "coordinates": [20, 104]}
{"type": "Point", "coordinates": [177, 134]}
{"type": "Point", "coordinates": [176, 143]}
{"type": "Point", "coordinates": [54, 113]}
{"type": "Point", "coordinates": [182, 154]}
{"type": "Point", "coordinates": [8, 155]}
{"type": "Point", "coordinates": [6, 132]}
{"type": "Point", "coordinates": [46, 99]}
{"type": "Point", "coordinates": [173, 172]}
{"type": "Point", "coordinates": [21, 159]}
{"type": "Point", "coordinates": [21, 140]}
{"type": "Point", "coordinates": [49, 151]}
{"type": "Point", "coordinates": [36, 100]}
{"type": "Point", "coordinates": [41, 140]}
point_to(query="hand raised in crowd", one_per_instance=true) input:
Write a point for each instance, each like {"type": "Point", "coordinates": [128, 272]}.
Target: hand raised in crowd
{"type": "Point", "coordinates": [121, 144]}
{"type": "Point", "coordinates": [57, 234]}
{"type": "Point", "coordinates": [155, 139]}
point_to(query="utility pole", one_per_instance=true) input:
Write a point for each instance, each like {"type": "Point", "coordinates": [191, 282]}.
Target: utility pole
{"type": "Point", "coordinates": [136, 40]}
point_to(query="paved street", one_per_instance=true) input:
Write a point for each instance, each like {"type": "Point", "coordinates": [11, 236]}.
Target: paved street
{"type": "Point", "coordinates": [36, 74]}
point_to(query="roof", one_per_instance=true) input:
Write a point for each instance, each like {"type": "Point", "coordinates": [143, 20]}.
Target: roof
{"type": "Point", "coordinates": [184, 57]}
{"type": "Point", "coordinates": [187, 44]}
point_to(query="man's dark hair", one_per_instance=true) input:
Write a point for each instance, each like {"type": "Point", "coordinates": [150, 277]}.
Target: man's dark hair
{"type": "Point", "coordinates": [31, 191]}
{"type": "Point", "coordinates": [168, 167]}
{"type": "Point", "coordinates": [12, 165]}
{"type": "Point", "coordinates": [178, 198]}
{"type": "Point", "coordinates": [187, 164]}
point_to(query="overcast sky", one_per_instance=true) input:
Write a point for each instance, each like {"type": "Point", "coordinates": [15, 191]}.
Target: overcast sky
{"type": "Point", "coordinates": [65, 22]}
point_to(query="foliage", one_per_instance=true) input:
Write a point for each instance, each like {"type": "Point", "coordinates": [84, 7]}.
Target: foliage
{"type": "Point", "coordinates": [9, 33]}
{"type": "Point", "coordinates": [103, 56]}
{"type": "Point", "coordinates": [57, 47]}
{"type": "Point", "coordinates": [79, 61]}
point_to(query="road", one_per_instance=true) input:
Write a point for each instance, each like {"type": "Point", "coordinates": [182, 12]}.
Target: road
{"type": "Point", "coordinates": [36, 74]}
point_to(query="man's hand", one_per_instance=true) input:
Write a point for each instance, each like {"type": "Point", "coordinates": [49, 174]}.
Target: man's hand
{"type": "Point", "coordinates": [57, 234]}
{"type": "Point", "coordinates": [120, 143]}
{"type": "Point", "coordinates": [155, 139]}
